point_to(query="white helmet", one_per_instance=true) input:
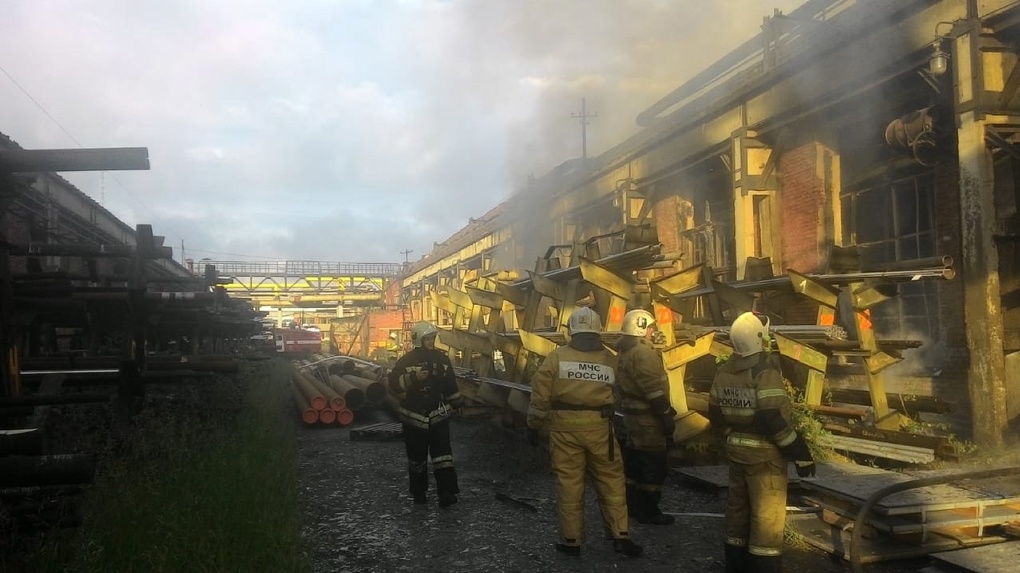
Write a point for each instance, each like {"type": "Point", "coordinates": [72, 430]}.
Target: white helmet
{"type": "Point", "coordinates": [420, 330]}
{"type": "Point", "coordinates": [636, 322]}
{"type": "Point", "coordinates": [749, 333]}
{"type": "Point", "coordinates": [584, 319]}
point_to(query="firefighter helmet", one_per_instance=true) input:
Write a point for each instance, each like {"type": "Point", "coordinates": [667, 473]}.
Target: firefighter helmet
{"type": "Point", "coordinates": [420, 331]}
{"type": "Point", "coordinates": [637, 321]}
{"type": "Point", "coordinates": [584, 319]}
{"type": "Point", "coordinates": [749, 334]}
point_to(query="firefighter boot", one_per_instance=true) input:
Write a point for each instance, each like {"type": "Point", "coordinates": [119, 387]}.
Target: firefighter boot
{"type": "Point", "coordinates": [736, 559]}
{"type": "Point", "coordinates": [447, 499]}
{"type": "Point", "coordinates": [571, 550]}
{"type": "Point", "coordinates": [652, 515]}
{"type": "Point", "coordinates": [765, 563]}
{"type": "Point", "coordinates": [627, 547]}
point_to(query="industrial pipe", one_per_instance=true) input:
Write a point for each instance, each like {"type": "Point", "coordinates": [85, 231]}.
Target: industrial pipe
{"type": "Point", "coordinates": [327, 416]}
{"type": "Point", "coordinates": [344, 417]}
{"type": "Point", "coordinates": [374, 391]}
{"type": "Point", "coordinates": [315, 399]}
{"type": "Point", "coordinates": [333, 400]}
{"type": "Point", "coordinates": [308, 414]}
{"type": "Point", "coordinates": [353, 395]}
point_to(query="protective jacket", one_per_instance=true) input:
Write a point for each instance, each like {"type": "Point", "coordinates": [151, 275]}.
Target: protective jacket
{"type": "Point", "coordinates": [642, 380]}
{"type": "Point", "coordinates": [424, 402]}
{"type": "Point", "coordinates": [749, 404]}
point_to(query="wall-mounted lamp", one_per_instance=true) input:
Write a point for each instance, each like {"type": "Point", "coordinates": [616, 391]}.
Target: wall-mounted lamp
{"type": "Point", "coordinates": [939, 60]}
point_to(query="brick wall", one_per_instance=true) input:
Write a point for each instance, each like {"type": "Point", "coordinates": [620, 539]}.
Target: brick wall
{"type": "Point", "coordinates": [667, 223]}
{"type": "Point", "coordinates": [802, 200]}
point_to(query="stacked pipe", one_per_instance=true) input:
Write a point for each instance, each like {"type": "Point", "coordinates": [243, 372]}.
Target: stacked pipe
{"type": "Point", "coordinates": [318, 402]}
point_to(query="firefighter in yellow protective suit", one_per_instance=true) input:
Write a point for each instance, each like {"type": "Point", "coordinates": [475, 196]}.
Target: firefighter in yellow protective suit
{"type": "Point", "coordinates": [648, 420]}
{"type": "Point", "coordinates": [424, 382]}
{"type": "Point", "coordinates": [749, 404]}
{"type": "Point", "coordinates": [572, 394]}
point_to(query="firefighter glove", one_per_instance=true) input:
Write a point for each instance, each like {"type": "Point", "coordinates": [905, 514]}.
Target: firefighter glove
{"type": "Point", "coordinates": [532, 435]}
{"type": "Point", "coordinates": [805, 468]}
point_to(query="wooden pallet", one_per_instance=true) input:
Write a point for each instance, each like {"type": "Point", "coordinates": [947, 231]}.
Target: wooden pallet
{"type": "Point", "coordinates": [378, 432]}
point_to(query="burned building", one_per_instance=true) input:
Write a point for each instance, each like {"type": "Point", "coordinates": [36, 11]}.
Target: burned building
{"type": "Point", "coordinates": [886, 134]}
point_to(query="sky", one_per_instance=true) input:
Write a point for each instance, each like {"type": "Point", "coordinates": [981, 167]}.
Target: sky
{"type": "Point", "coordinates": [341, 130]}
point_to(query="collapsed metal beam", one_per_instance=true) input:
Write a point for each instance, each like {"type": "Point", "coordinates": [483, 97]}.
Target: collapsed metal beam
{"type": "Point", "coordinates": [87, 159]}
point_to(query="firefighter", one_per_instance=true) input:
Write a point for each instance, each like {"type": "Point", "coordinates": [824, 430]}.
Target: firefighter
{"type": "Point", "coordinates": [424, 382]}
{"type": "Point", "coordinates": [749, 405]}
{"type": "Point", "coordinates": [648, 419]}
{"type": "Point", "coordinates": [572, 394]}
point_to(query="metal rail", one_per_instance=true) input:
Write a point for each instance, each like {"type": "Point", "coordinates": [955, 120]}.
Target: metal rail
{"type": "Point", "coordinates": [855, 536]}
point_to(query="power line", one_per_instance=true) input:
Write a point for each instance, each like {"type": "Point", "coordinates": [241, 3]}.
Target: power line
{"type": "Point", "coordinates": [40, 106]}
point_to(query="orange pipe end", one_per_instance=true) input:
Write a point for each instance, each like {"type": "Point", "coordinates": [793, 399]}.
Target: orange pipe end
{"type": "Point", "coordinates": [327, 416]}
{"type": "Point", "coordinates": [344, 417]}
{"type": "Point", "coordinates": [319, 402]}
{"type": "Point", "coordinates": [338, 403]}
{"type": "Point", "coordinates": [309, 416]}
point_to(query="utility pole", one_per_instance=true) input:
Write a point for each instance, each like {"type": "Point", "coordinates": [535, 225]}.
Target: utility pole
{"type": "Point", "coordinates": [583, 116]}
{"type": "Point", "coordinates": [405, 253]}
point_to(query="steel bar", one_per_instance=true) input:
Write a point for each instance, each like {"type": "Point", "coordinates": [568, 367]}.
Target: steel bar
{"type": "Point", "coordinates": [908, 403]}
{"type": "Point", "coordinates": [68, 469]}
{"type": "Point", "coordinates": [627, 260]}
{"type": "Point", "coordinates": [49, 400]}
{"type": "Point", "coordinates": [23, 441]}
{"type": "Point", "coordinates": [85, 159]}
{"type": "Point", "coordinates": [862, 515]}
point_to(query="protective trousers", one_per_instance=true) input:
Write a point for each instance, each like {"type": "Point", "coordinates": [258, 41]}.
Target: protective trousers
{"type": "Point", "coordinates": [574, 453]}
{"type": "Point", "coordinates": [756, 513]}
{"type": "Point", "coordinates": [645, 464]}
{"type": "Point", "coordinates": [420, 444]}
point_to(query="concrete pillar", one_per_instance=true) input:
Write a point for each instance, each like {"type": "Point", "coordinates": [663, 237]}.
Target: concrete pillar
{"type": "Point", "coordinates": [980, 262]}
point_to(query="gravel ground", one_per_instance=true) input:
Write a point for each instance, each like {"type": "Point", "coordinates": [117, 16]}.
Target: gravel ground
{"type": "Point", "coordinates": [359, 516]}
